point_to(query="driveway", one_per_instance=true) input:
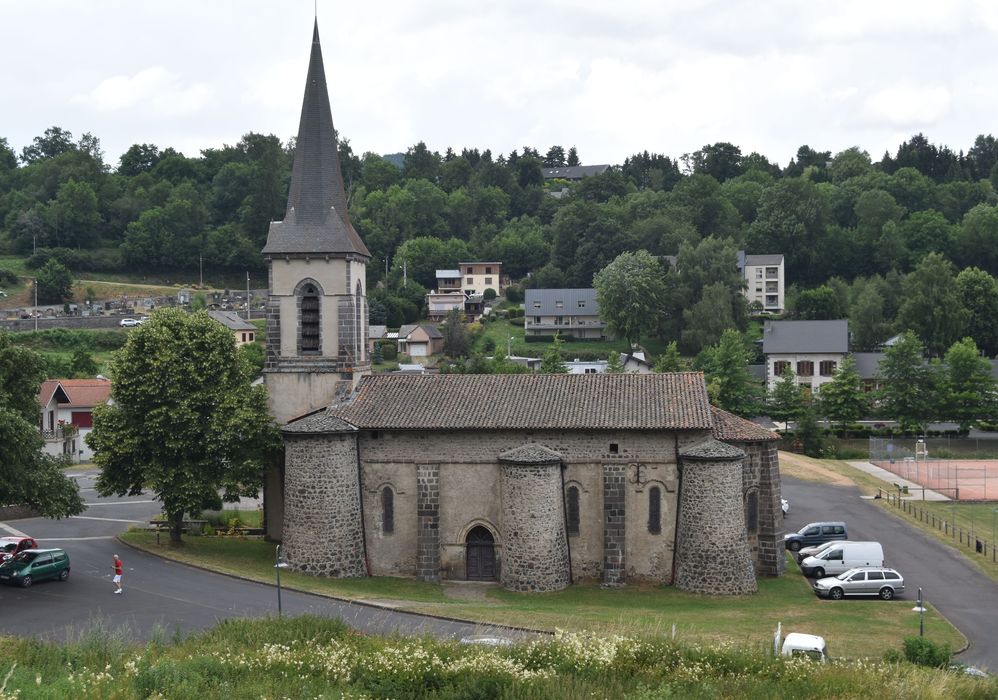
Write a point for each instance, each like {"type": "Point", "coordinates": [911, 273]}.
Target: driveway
{"type": "Point", "coordinates": [159, 594]}
{"type": "Point", "coordinates": [949, 581]}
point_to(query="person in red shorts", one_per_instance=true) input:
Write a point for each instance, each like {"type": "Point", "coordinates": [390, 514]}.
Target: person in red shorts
{"type": "Point", "coordinates": [118, 571]}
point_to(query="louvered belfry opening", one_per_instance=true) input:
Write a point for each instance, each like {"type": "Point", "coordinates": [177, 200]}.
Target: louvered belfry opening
{"type": "Point", "coordinates": [310, 320]}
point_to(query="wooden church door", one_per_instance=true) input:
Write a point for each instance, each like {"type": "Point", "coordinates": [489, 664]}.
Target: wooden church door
{"type": "Point", "coordinates": [481, 555]}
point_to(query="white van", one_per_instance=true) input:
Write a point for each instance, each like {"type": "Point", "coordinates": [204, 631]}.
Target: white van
{"type": "Point", "coordinates": [841, 557]}
{"type": "Point", "coordinates": [809, 646]}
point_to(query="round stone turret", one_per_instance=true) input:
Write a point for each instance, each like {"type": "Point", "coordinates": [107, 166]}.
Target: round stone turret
{"type": "Point", "coordinates": [713, 554]}
{"type": "Point", "coordinates": [323, 532]}
{"type": "Point", "coordinates": [535, 545]}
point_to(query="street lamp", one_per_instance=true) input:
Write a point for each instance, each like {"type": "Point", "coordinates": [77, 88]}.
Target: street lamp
{"type": "Point", "coordinates": [509, 345]}
{"type": "Point", "coordinates": [279, 563]}
{"type": "Point", "coordinates": [920, 609]}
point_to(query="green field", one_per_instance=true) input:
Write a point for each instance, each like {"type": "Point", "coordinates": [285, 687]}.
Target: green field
{"type": "Point", "coordinates": [854, 628]}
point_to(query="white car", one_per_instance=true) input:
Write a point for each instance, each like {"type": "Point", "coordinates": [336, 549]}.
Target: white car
{"type": "Point", "coordinates": [129, 322]}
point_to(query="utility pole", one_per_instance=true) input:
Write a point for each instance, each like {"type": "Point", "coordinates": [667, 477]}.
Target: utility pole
{"type": "Point", "coordinates": [35, 314]}
{"type": "Point", "coordinates": [405, 273]}
{"type": "Point", "coordinates": [247, 297]}
{"type": "Point", "coordinates": [201, 271]}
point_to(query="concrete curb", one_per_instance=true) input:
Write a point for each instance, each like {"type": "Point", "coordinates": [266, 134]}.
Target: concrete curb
{"type": "Point", "coordinates": [349, 601]}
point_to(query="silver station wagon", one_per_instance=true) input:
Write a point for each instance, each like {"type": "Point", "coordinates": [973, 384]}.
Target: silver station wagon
{"type": "Point", "coordinates": [868, 580]}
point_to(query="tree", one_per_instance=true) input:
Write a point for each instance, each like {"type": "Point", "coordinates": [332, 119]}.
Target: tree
{"type": "Point", "coordinates": [552, 362]}
{"type": "Point", "coordinates": [785, 400]}
{"type": "Point", "coordinates": [909, 393]}
{"type": "Point", "coordinates": [185, 423]}
{"type": "Point", "coordinates": [725, 365]}
{"type": "Point", "coordinates": [573, 157]}
{"type": "Point", "coordinates": [970, 389]}
{"type": "Point", "coordinates": [670, 360]}
{"type": "Point", "coordinates": [708, 318]}
{"type": "Point", "coordinates": [842, 400]}
{"type": "Point", "coordinates": [978, 293]}
{"type": "Point", "coordinates": [932, 307]}
{"type": "Point", "coordinates": [54, 142]}
{"type": "Point", "coordinates": [456, 338]}
{"type": "Point", "coordinates": [55, 284]}
{"type": "Point", "coordinates": [28, 477]}
{"type": "Point", "coordinates": [613, 363]}
{"type": "Point", "coordinates": [630, 291]}
{"type": "Point", "coordinates": [818, 304]}
{"type": "Point", "coordinates": [555, 157]}
{"type": "Point", "coordinates": [809, 434]}
{"type": "Point", "coordinates": [83, 364]}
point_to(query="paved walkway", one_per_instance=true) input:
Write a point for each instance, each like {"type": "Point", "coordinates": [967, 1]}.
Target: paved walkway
{"type": "Point", "coordinates": [915, 491]}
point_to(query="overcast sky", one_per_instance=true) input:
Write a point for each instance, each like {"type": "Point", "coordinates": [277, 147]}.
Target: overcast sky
{"type": "Point", "coordinates": [611, 77]}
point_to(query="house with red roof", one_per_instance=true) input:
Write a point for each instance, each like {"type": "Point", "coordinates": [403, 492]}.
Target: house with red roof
{"type": "Point", "coordinates": [66, 414]}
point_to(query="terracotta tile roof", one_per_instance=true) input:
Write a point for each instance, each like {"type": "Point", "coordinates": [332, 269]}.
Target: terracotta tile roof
{"type": "Point", "coordinates": [530, 401]}
{"type": "Point", "coordinates": [730, 428]}
{"type": "Point", "coordinates": [45, 391]}
{"type": "Point", "coordinates": [81, 393]}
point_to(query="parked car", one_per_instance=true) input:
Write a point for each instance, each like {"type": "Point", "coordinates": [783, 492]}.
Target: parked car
{"type": "Point", "coordinates": [810, 646]}
{"type": "Point", "coordinates": [129, 322]}
{"type": "Point", "coordinates": [871, 580]}
{"type": "Point", "coordinates": [12, 546]}
{"type": "Point", "coordinates": [813, 551]}
{"type": "Point", "coordinates": [815, 533]}
{"type": "Point", "coordinates": [842, 556]}
{"type": "Point", "coordinates": [35, 565]}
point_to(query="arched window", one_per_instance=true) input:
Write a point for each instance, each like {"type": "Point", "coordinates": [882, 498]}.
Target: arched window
{"type": "Point", "coordinates": [387, 510]}
{"type": "Point", "coordinates": [655, 510]}
{"type": "Point", "coordinates": [572, 510]}
{"type": "Point", "coordinates": [310, 319]}
{"type": "Point", "coordinates": [752, 512]}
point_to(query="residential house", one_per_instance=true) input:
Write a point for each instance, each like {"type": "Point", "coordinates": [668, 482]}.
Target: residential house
{"type": "Point", "coordinates": [635, 362]}
{"type": "Point", "coordinates": [66, 414]}
{"type": "Point", "coordinates": [242, 330]}
{"type": "Point", "coordinates": [439, 304]}
{"type": "Point", "coordinates": [420, 340]}
{"type": "Point", "coordinates": [479, 276]}
{"type": "Point", "coordinates": [573, 173]}
{"type": "Point", "coordinates": [566, 312]}
{"type": "Point", "coordinates": [868, 366]}
{"type": "Point", "coordinates": [449, 281]}
{"type": "Point", "coordinates": [765, 280]}
{"type": "Point", "coordinates": [812, 349]}
{"type": "Point", "coordinates": [374, 334]}
{"type": "Point", "coordinates": [578, 366]}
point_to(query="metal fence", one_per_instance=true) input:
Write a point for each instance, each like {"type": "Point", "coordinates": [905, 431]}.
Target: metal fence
{"type": "Point", "coordinates": [968, 538]}
{"type": "Point", "coordinates": [961, 478]}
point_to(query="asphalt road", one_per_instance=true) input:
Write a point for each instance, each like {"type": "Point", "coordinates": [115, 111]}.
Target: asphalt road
{"type": "Point", "coordinates": [949, 582]}
{"type": "Point", "coordinates": [161, 595]}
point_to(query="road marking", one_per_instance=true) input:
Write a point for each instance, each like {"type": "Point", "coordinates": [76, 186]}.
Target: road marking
{"type": "Point", "coordinates": [119, 503]}
{"type": "Point", "coordinates": [78, 539]}
{"type": "Point", "coordinates": [110, 520]}
{"type": "Point", "coordinates": [8, 528]}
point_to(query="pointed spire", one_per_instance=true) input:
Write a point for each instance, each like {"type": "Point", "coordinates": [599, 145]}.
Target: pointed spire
{"type": "Point", "coordinates": [316, 219]}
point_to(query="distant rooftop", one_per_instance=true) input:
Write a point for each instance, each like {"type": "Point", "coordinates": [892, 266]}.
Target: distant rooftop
{"type": "Point", "coordinates": [573, 172]}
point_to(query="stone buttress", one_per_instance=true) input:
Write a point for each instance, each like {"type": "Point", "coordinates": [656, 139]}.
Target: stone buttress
{"type": "Point", "coordinates": [535, 543]}
{"type": "Point", "coordinates": [713, 555]}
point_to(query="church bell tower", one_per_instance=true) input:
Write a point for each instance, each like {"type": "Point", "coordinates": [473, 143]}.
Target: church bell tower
{"type": "Point", "coordinates": [316, 262]}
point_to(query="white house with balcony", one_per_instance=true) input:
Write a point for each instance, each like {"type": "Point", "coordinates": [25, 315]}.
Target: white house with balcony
{"type": "Point", "coordinates": [812, 349]}
{"type": "Point", "coordinates": [566, 312]}
{"type": "Point", "coordinates": [765, 280]}
{"type": "Point", "coordinates": [66, 414]}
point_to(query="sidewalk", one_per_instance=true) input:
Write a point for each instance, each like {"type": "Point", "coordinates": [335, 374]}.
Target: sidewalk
{"type": "Point", "coordinates": [915, 491]}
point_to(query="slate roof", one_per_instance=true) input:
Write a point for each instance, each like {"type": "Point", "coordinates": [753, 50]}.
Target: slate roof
{"type": "Point", "coordinates": [316, 220]}
{"type": "Point", "coordinates": [787, 337]}
{"type": "Point", "coordinates": [431, 331]}
{"type": "Point", "coordinates": [570, 299]}
{"type": "Point", "coordinates": [711, 450]}
{"type": "Point", "coordinates": [530, 454]}
{"type": "Point", "coordinates": [232, 320]}
{"type": "Point", "coordinates": [448, 274]}
{"type": "Point", "coordinates": [573, 172]}
{"type": "Point", "coordinates": [321, 421]}
{"type": "Point", "coordinates": [530, 401]}
{"type": "Point", "coordinates": [731, 428]}
{"type": "Point", "coordinates": [376, 332]}
{"type": "Point", "coordinates": [867, 363]}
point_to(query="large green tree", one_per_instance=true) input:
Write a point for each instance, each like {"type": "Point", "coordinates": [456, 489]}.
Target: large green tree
{"type": "Point", "coordinates": [184, 422]}
{"type": "Point", "coordinates": [630, 291]}
{"type": "Point", "coordinates": [28, 477]}
{"type": "Point", "coordinates": [910, 386]}
{"type": "Point", "coordinates": [932, 307]}
{"type": "Point", "coordinates": [842, 400]}
{"type": "Point", "coordinates": [785, 400]}
{"type": "Point", "coordinates": [55, 283]}
{"type": "Point", "coordinates": [970, 389]}
{"type": "Point", "coordinates": [978, 292]}
{"type": "Point", "coordinates": [729, 383]}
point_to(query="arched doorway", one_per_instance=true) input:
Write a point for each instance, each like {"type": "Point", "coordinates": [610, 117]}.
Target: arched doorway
{"type": "Point", "coordinates": [481, 555]}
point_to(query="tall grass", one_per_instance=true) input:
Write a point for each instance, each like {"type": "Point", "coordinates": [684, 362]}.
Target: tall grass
{"type": "Point", "coordinates": [310, 657]}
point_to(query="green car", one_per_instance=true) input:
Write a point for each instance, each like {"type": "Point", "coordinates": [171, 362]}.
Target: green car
{"type": "Point", "coordinates": [35, 565]}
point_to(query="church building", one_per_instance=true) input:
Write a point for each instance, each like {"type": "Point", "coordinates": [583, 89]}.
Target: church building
{"type": "Point", "coordinates": [534, 481]}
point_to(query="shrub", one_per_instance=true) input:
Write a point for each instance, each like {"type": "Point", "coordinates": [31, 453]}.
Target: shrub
{"type": "Point", "coordinates": [489, 294]}
{"type": "Point", "coordinates": [514, 294]}
{"type": "Point", "coordinates": [389, 350]}
{"type": "Point", "coordinates": [925, 652]}
{"type": "Point", "coordinates": [518, 321]}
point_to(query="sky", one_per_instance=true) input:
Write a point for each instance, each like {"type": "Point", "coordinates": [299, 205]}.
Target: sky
{"type": "Point", "coordinates": [611, 77]}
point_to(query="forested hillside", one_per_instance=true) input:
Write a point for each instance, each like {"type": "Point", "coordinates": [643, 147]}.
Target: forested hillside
{"type": "Point", "coordinates": [910, 241]}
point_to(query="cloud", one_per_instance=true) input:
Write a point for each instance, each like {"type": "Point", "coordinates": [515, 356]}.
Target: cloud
{"type": "Point", "coordinates": [908, 106]}
{"type": "Point", "coordinates": [155, 88]}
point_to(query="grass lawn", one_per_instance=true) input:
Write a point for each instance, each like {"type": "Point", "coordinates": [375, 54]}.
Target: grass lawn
{"type": "Point", "coordinates": [853, 628]}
